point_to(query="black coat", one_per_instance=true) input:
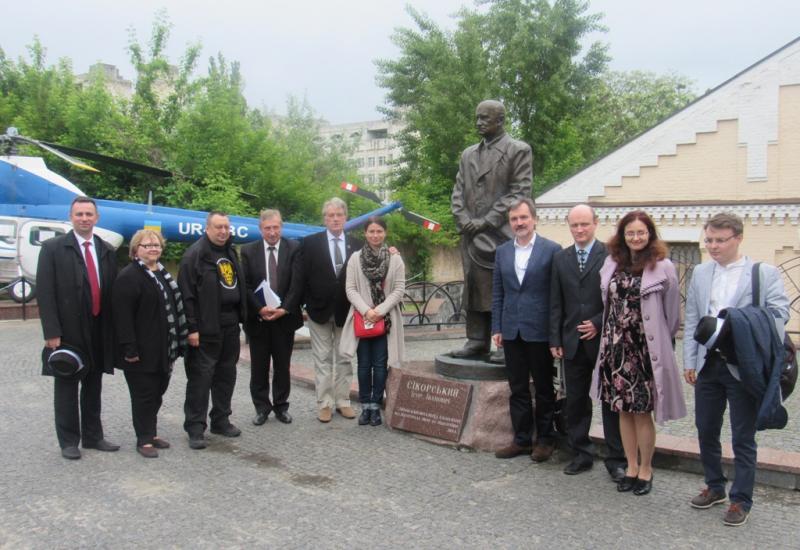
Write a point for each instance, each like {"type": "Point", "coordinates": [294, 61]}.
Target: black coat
{"type": "Point", "coordinates": [290, 282]}
{"type": "Point", "coordinates": [324, 292]}
{"type": "Point", "coordinates": [199, 284]}
{"type": "Point", "coordinates": [140, 321]}
{"type": "Point", "coordinates": [575, 297]}
{"type": "Point", "coordinates": [65, 299]}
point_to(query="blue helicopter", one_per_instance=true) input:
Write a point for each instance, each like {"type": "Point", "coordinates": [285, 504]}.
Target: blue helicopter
{"type": "Point", "coordinates": [35, 201]}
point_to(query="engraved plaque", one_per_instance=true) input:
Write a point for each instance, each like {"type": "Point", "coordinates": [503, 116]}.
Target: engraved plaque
{"type": "Point", "coordinates": [431, 406]}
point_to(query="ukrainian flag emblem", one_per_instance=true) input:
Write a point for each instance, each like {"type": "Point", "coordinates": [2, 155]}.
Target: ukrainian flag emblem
{"type": "Point", "coordinates": [153, 225]}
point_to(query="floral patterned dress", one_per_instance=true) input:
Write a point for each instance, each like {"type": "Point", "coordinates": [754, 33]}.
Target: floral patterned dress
{"type": "Point", "coordinates": [626, 375]}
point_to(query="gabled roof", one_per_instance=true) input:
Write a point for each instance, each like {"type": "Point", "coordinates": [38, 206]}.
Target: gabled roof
{"type": "Point", "coordinates": [751, 97]}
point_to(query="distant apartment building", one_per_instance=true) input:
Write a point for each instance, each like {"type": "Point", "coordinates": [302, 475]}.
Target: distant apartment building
{"type": "Point", "coordinates": [122, 88]}
{"type": "Point", "coordinates": [376, 151]}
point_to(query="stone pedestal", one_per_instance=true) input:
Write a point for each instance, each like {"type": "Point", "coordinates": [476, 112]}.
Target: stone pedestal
{"type": "Point", "coordinates": [487, 424]}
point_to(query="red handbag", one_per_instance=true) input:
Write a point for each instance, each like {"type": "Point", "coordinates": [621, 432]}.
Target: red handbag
{"type": "Point", "coordinates": [365, 329]}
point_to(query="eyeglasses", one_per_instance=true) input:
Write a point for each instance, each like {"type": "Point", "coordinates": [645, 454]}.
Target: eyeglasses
{"type": "Point", "coordinates": [154, 246]}
{"type": "Point", "coordinates": [632, 234]}
{"type": "Point", "coordinates": [718, 240]}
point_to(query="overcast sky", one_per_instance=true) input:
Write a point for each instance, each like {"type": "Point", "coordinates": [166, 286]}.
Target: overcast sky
{"type": "Point", "coordinates": [324, 49]}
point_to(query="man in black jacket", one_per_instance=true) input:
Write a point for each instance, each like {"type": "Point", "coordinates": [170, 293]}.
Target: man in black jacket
{"type": "Point", "coordinates": [74, 278]}
{"type": "Point", "coordinates": [324, 265]}
{"type": "Point", "coordinates": [576, 316]}
{"type": "Point", "coordinates": [275, 261]}
{"type": "Point", "coordinates": [215, 301]}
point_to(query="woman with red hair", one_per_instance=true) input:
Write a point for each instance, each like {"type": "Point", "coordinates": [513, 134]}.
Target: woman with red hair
{"type": "Point", "coordinates": [636, 372]}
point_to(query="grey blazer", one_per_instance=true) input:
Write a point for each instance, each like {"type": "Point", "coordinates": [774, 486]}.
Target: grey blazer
{"type": "Point", "coordinates": [773, 297]}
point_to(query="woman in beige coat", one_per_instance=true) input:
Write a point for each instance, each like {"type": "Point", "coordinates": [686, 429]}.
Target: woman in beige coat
{"type": "Point", "coordinates": [376, 281]}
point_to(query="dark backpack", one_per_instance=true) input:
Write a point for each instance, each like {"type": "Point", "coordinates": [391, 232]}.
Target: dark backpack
{"type": "Point", "coordinates": [789, 372]}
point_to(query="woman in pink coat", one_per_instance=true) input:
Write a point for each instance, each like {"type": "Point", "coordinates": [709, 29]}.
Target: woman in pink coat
{"type": "Point", "coordinates": [636, 372]}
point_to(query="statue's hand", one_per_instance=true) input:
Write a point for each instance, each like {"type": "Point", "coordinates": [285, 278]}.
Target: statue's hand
{"type": "Point", "coordinates": [473, 227]}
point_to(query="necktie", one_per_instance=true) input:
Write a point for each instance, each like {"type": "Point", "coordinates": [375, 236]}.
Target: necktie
{"type": "Point", "coordinates": [337, 256]}
{"type": "Point", "coordinates": [273, 269]}
{"type": "Point", "coordinates": [581, 259]}
{"type": "Point", "coordinates": [94, 284]}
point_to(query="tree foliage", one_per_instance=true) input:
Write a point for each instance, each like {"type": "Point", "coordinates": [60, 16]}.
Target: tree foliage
{"type": "Point", "coordinates": [530, 54]}
{"type": "Point", "coordinates": [198, 126]}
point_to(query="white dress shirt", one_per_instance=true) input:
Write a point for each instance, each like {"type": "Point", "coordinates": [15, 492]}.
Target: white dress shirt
{"type": "Point", "coordinates": [277, 247]}
{"type": "Point", "coordinates": [92, 250]}
{"type": "Point", "coordinates": [724, 283]}
{"type": "Point", "coordinates": [522, 255]}
{"type": "Point", "coordinates": [331, 244]}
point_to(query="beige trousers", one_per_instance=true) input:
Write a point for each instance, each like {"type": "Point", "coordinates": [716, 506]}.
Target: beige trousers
{"type": "Point", "coordinates": [332, 373]}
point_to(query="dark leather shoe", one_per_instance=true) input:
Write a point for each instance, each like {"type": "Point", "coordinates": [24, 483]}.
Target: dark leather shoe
{"type": "Point", "coordinates": [197, 442]}
{"type": "Point", "coordinates": [283, 416]}
{"type": "Point", "coordinates": [577, 466]}
{"type": "Point", "coordinates": [627, 484]}
{"type": "Point", "coordinates": [376, 418]}
{"type": "Point", "coordinates": [72, 453]}
{"type": "Point", "coordinates": [260, 418]}
{"type": "Point", "coordinates": [643, 486]}
{"type": "Point", "coordinates": [617, 474]}
{"type": "Point", "coordinates": [147, 451]}
{"type": "Point", "coordinates": [159, 443]}
{"type": "Point", "coordinates": [228, 431]}
{"type": "Point", "coordinates": [364, 417]}
{"type": "Point", "coordinates": [513, 450]}
{"type": "Point", "coordinates": [542, 451]}
{"type": "Point", "coordinates": [102, 445]}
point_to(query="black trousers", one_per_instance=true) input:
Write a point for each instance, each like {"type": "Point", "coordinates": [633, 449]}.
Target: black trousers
{"type": "Point", "coordinates": [526, 360]}
{"type": "Point", "coordinates": [578, 379]}
{"type": "Point", "coordinates": [77, 409]}
{"type": "Point", "coordinates": [270, 342]}
{"type": "Point", "coordinates": [146, 389]}
{"type": "Point", "coordinates": [210, 367]}
{"type": "Point", "coordinates": [77, 402]}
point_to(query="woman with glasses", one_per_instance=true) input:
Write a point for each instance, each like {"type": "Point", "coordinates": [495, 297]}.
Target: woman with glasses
{"type": "Point", "coordinates": [151, 332]}
{"type": "Point", "coordinates": [636, 371]}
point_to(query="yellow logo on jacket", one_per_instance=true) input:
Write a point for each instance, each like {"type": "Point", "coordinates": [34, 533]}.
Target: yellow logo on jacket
{"type": "Point", "coordinates": [227, 275]}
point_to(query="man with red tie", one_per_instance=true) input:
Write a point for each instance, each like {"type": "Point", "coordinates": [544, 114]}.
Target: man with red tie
{"type": "Point", "coordinates": [74, 278]}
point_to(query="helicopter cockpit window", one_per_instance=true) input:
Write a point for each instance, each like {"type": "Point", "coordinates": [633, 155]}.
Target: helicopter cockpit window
{"type": "Point", "coordinates": [41, 234]}
{"type": "Point", "coordinates": [8, 232]}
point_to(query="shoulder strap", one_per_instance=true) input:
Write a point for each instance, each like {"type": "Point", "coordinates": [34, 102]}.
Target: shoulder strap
{"type": "Point", "coordinates": [756, 280]}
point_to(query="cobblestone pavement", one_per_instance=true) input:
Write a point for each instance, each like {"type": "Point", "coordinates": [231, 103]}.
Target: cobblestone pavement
{"type": "Point", "coordinates": [309, 485]}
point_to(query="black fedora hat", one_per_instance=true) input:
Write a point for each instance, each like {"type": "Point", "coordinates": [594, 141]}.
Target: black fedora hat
{"type": "Point", "coordinates": [65, 361]}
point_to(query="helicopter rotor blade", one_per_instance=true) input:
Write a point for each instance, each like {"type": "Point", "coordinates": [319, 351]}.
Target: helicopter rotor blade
{"type": "Point", "coordinates": [426, 223]}
{"type": "Point", "coordinates": [135, 166]}
{"type": "Point", "coordinates": [361, 192]}
{"type": "Point", "coordinates": [62, 155]}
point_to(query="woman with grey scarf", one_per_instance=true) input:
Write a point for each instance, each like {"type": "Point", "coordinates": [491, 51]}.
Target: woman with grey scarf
{"type": "Point", "coordinates": [375, 286]}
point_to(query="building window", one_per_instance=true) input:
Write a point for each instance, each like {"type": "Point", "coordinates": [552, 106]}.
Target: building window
{"type": "Point", "coordinates": [371, 162]}
{"type": "Point", "coordinates": [361, 163]}
{"type": "Point", "coordinates": [381, 161]}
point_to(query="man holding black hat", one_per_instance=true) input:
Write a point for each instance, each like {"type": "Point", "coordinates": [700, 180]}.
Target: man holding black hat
{"type": "Point", "coordinates": [725, 282]}
{"type": "Point", "coordinates": [74, 278]}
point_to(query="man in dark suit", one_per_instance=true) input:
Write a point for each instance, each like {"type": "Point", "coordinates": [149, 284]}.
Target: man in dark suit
{"type": "Point", "coordinates": [73, 279]}
{"type": "Point", "coordinates": [324, 267]}
{"type": "Point", "coordinates": [520, 325]}
{"type": "Point", "coordinates": [273, 260]}
{"type": "Point", "coordinates": [576, 316]}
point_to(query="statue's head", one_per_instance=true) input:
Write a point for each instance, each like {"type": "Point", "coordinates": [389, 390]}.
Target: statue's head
{"type": "Point", "coordinates": [489, 118]}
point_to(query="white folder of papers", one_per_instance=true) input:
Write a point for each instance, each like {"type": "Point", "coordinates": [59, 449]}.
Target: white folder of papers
{"type": "Point", "coordinates": [266, 296]}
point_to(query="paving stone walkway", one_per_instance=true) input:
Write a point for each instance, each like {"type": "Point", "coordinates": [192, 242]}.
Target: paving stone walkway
{"type": "Point", "coordinates": [309, 485]}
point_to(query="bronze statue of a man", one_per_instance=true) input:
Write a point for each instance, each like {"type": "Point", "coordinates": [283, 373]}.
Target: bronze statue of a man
{"type": "Point", "coordinates": [491, 175]}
